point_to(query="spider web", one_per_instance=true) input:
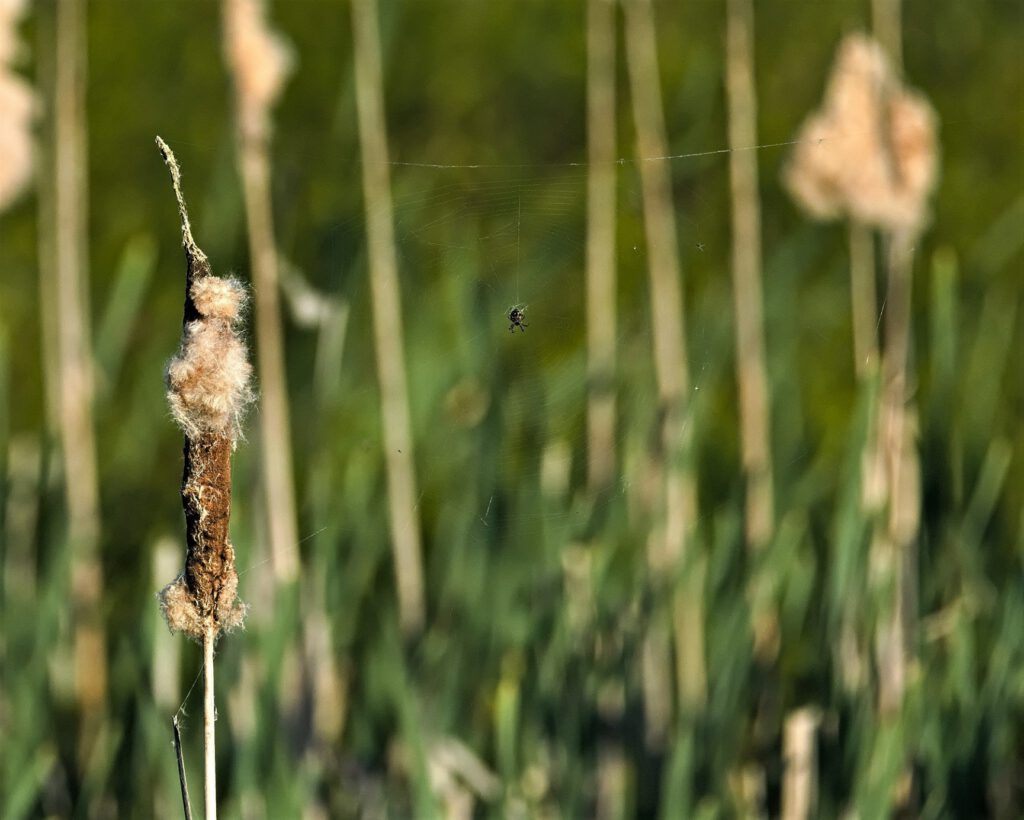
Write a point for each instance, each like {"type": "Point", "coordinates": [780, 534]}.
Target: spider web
{"type": "Point", "coordinates": [499, 419]}
{"type": "Point", "coordinates": [474, 240]}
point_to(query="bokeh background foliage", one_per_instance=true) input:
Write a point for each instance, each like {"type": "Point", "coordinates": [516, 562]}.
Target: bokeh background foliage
{"type": "Point", "coordinates": [523, 696]}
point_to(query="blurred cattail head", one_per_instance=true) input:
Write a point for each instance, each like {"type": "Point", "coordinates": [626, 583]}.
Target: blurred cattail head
{"type": "Point", "coordinates": [209, 380]}
{"type": "Point", "coordinates": [17, 110]}
{"type": "Point", "coordinates": [870, 152]}
{"type": "Point", "coordinates": [260, 61]}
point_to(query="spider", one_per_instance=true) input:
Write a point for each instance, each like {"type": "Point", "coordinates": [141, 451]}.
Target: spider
{"type": "Point", "coordinates": [516, 315]}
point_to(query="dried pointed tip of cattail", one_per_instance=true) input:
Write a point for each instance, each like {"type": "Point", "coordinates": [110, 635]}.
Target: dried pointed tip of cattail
{"type": "Point", "coordinates": [871, 151]}
{"type": "Point", "coordinates": [208, 381]}
{"type": "Point", "coordinates": [260, 61]}
{"type": "Point", "coordinates": [17, 111]}
{"type": "Point", "coordinates": [181, 610]}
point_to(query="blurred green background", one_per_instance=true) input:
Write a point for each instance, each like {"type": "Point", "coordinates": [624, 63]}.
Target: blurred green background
{"type": "Point", "coordinates": [527, 678]}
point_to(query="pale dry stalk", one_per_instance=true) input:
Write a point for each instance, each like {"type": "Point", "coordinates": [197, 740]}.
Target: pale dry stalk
{"type": "Point", "coordinates": [674, 540]}
{"type": "Point", "coordinates": [259, 62]}
{"type": "Point", "coordinates": [893, 544]}
{"type": "Point", "coordinates": [863, 300]}
{"type": "Point", "coordinates": [799, 753]}
{"type": "Point", "coordinates": [913, 156]}
{"type": "Point", "coordinates": [46, 192]}
{"type": "Point", "coordinates": [887, 23]}
{"type": "Point", "coordinates": [275, 426]}
{"type": "Point", "coordinates": [386, 305]}
{"type": "Point", "coordinates": [751, 367]}
{"type": "Point", "coordinates": [751, 370]}
{"type": "Point", "coordinates": [74, 360]}
{"type": "Point", "coordinates": [209, 727]}
{"type": "Point", "coordinates": [601, 181]}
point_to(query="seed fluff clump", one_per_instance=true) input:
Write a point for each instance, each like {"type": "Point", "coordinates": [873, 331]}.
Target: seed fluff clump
{"type": "Point", "coordinates": [209, 380]}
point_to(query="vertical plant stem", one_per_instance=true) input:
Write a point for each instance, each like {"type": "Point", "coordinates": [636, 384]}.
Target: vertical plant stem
{"type": "Point", "coordinates": [895, 555]}
{"type": "Point", "coordinates": [78, 442]}
{"type": "Point", "coordinates": [601, 241]}
{"type": "Point", "coordinates": [799, 784]}
{"type": "Point", "coordinates": [751, 368]}
{"type": "Point", "coordinates": [46, 67]}
{"type": "Point", "coordinates": [182, 779]}
{"type": "Point", "coordinates": [209, 730]}
{"type": "Point", "coordinates": [852, 655]}
{"type": "Point", "coordinates": [275, 429]}
{"type": "Point", "coordinates": [751, 371]}
{"type": "Point", "coordinates": [887, 22]}
{"type": "Point", "coordinates": [894, 541]}
{"type": "Point", "coordinates": [387, 318]}
{"type": "Point", "coordinates": [670, 555]}
{"type": "Point", "coordinates": [863, 300]}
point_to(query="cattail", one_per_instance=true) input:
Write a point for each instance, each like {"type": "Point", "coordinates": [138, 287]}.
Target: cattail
{"type": "Point", "coordinates": [17, 111]}
{"type": "Point", "coordinates": [208, 389]}
{"type": "Point", "coordinates": [871, 152]}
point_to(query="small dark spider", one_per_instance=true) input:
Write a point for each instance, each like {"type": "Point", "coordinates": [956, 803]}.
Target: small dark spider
{"type": "Point", "coordinates": [516, 315]}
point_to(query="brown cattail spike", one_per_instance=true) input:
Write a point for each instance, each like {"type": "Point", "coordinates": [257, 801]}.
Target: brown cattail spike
{"type": "Point", "coordinates": [208, 389]}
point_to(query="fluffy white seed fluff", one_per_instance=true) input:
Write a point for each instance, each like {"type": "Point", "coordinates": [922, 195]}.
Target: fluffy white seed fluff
{"type": "Point", "coordinates": [209, 380]}
{"type": "Point", "coordinates": [871, 151]}
{"type": "Point", "coordinates": [217, 298]}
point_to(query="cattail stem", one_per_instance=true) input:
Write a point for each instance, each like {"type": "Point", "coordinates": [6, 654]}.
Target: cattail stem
{"type": "Point", "coordinates": [258, 61]}
{"type": "Point", "coordinates": [895, 536]}
{"type": "Point", "coordinates": [895, 554]}
{"type": "Point", "coordinates": [78, 441]}
{"type": "Point", "coordinates": [209, 730]}
{"type": "Point", "coordinates": [672, 544]}
{"type": "Point", "coordinates": [46, 192]}
{"type": "Point", "coordinates": [751, 370]}
{"type": "Point", "coordinates": [275, 435]}
{"type": "Point", "coordinates": [601, 242]}
{"type": "Point", "coordinates": [863, 300]}
{"type": "Point", "coordinates": [887, 22]}
{"type": "Point", "coordinates": [387, 319]}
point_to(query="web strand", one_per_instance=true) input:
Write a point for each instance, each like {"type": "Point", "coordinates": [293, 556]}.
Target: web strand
{"type": "Point", "coordinates": [519, 223]}
{"type": "Point", "coordinates": [619, 161]}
